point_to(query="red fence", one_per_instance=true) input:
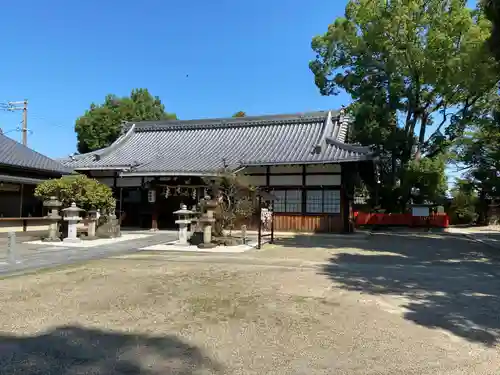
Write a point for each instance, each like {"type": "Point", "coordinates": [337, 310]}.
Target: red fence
{"type": "Point", "coordinates": [434, 220]}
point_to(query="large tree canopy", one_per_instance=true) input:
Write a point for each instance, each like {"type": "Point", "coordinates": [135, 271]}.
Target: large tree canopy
{"type": "Point", "coordinates": [407, 64]}
{"type": "Point", "coordinates": [101, 124]}
{"type": "Point", "coordinates": [492, 10]}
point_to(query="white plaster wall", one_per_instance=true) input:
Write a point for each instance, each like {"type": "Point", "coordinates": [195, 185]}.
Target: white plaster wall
{"type": "Point", "coordinates": [294, 180]}
{"type": "Point", "coordinates": [286, 169]}
{"type": "Point", "coordinates": [248, 170]}
{"type": "Point", "coordinates": [256, 180]}
{"type": "Point", "coordinates": [323, 180]}
{"type": "Point", "coordinates": [334, 168]}
{"type": "Point", "coordinates": [105, 180]}
{"type": "Point", "coordinates": [128, 181]}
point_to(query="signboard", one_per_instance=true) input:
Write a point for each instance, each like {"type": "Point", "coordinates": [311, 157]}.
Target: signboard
{"type": "Point", "coordinates": [420, 211]}
{"type": "Point", "coordinates": [266, 217]}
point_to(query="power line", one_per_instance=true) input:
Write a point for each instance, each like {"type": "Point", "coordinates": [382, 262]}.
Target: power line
{"type": "Point", "coordinates": [47, 121]}
{"type": "Point", "coordinates": [20, 106]}
{"type": "Point", "coordinates": [18, 128]}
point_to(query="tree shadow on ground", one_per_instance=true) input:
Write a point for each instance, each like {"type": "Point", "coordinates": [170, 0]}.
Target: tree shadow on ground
{"type": "Point", "coordinates": [72, 350]}
{"type": "Point", "coordinates": [439, 281]}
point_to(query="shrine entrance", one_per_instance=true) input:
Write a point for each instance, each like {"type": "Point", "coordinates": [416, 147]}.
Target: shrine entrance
{"type": "Point", "coordinates": [172, 194]}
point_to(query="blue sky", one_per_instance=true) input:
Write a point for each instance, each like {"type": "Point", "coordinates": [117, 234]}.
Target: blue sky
{"type": "Point", "coordinates": [239, 55]}
{"type": "Point", "coordinates": [202, 58]}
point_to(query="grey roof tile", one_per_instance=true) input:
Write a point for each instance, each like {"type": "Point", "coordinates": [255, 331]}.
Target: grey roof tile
{"type": "Point", "coordinates": [203, 146]}
{"type": "Point", "coordinates": [14, 154]}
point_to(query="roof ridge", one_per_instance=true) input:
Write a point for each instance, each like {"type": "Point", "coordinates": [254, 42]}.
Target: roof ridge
{"type": "Point", "coordinates": [229, 121]}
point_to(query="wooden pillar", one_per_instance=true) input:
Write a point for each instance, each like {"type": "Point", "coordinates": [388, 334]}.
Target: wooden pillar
{"type": "Point", "coordinates": [304, 193]}
{"type": "Point", "coordinates": [344, 198]}
{"type": "Point", "coordinates": [21, 190]}
{"type": "Point", "coordinates": [154, 219]}
{"type": "Point", "coordinates": [120, 206]}
{"type": "Point", "coordinates": [154, 214]}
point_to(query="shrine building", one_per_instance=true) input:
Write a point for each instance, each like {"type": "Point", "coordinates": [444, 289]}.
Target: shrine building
{"type": "Point", "coordinates": [302, 159]}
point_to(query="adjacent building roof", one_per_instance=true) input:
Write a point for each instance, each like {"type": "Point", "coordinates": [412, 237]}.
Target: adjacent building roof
{"type": "Point", "coordinates": [199, 147]}
{"type": "Point", "coordinates": [14, 154]}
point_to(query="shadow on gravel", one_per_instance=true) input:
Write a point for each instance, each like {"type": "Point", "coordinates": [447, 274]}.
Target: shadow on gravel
{"type": "Point", "coordinates": [77, 350]}
{"type": "Point", "coordinates": [447, 282]}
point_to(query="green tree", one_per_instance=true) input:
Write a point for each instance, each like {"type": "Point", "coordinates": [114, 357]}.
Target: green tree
{"type": "Point", "coordinates": [463, 203]}
{"type": "Point", "coordinates": [240, 114]}
{"type": "Point", "coordinates": [235, 197]}
{"type": "Point", "coordinates": [86, 192]}
{"type": "Point", "coordinates": [426, 180]}
{"type": "Point", "coordinates": [492, 10]}
{"type": "Point", "coordinates": [477, 154]}
{"type": "Point", "coordinates": [407, 64]}
{"type": "Point", "coordinates": [101, 124]}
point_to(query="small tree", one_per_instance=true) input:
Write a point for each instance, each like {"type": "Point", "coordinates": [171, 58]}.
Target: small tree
{"type": "Point", "coordinates": [86, 192]}
{"type": "Point", "coordinates": [240, 114]}
{"type": "Point", "coordinates": [463, 204]}
{"type": "Point", "coordinates": [235, 198]}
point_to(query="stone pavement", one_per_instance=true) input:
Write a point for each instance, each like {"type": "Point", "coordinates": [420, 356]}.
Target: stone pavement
{"type": "Point", "coordinates": [31, 257]}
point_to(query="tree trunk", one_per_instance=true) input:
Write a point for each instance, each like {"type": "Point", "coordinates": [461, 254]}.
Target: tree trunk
{"type": "Point", "coordinates": [483, 208]}
{"type": "Point", "coordinates": [421, 136]}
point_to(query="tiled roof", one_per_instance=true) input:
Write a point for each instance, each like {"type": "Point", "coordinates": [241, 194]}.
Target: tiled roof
{"type": "Point", "coordinates": [204, 146]}
{"type": "Point", "coordinates": [14, 154]}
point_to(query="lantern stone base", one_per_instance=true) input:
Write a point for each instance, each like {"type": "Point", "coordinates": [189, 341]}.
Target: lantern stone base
{"type": "Point", "coordinates": [204, 245]}
{"type": "Point", "coordinates": [72, 240]}
{"type": "Point", "coordinates": [89, 238]}
{"type": "Point", "coordinates": [47, 239]}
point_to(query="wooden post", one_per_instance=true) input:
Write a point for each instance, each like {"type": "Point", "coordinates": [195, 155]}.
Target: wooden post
{"type": "Point", "coordinates": [259, 231]}
{"type": "Point", "coordinates": [21, 201]}
{"type": "Point", "coordinates": [154, 218]}
{"type": "Point", "coordinates": [25, 123]}
{"type": "Point", "coordinates": [120, 206]}
{"type": "Point", "coordinates": [272, 226]}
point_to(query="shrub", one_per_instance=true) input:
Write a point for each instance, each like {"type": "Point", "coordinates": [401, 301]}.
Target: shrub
{"type": "Point", "coordinates": [87, 193]}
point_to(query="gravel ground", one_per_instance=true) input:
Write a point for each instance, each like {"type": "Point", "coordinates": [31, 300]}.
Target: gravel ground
{"type": "Point", "coordinates": [228, 315]}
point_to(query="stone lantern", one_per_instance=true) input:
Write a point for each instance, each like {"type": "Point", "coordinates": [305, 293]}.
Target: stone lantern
{"type": "Point", "coordinates": [184, 221]}
{"type": "Point", "coordinates": [206, 221]}
{"type": "Point", "coordinates": [53, 204]}
{"type": "Point", "coordinates": [72, 216]}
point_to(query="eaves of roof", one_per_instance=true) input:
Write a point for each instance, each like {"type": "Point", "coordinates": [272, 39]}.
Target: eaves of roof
{"type": "Point", "coordinates": [14, 154]}
{"type": "Point", "coordinates": [20, 180]}
{"type": "Point", "coordinates": [201, 147]}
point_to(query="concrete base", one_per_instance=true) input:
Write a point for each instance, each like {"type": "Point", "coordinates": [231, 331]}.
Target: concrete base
{"type": "Point", "coordinates": [89, 238]}
{"type": "Point", "coordinates": [206, 245]}
{"type": "Point", "coordinates": [97, 242]}
{"type": "Point", "coordinates": [72, 240]}
{"type": "Point", "coordinates": [174, 246]}
{"type": "Point", "coordinates": [51, 240]}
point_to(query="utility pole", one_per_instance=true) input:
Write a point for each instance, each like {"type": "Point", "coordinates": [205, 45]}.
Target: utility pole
{"type": "Point", "coordinates": [21, 106]}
